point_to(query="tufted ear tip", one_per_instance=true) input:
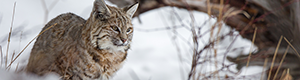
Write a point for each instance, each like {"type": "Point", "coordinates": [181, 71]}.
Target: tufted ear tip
{"type": "Point", "coordinates": [100, 9]}
{"type": "Point", "coordinates": [132, 9]}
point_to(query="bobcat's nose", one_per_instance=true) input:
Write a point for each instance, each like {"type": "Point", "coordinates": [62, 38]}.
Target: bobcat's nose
{"type": "Point", "coordinates": [123, 40]}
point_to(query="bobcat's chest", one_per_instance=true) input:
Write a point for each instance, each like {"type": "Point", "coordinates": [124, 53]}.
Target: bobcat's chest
{"type": "Point", "coordinates": [101, 65]}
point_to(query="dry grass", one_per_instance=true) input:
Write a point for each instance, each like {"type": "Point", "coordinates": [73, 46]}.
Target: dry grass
{"type": "Point", "coordinates": [274, 57]}
{"type": "Point", "coordinates": [281, 62]}
{"type": "Point", "coordinates": [264, 67]}
{"type": "Point", "coordinates": [9, 35]}
{"type": "Point", "coordinates": [214, 41]}
{"type": "Point", "coordinates": [28, 45]}
{"type": "Point", "coordinates": [250, 52]}
{"type": "Point", "coordinates": [211, 46]}
{"type": "Point", "coordinates": [13, 57]}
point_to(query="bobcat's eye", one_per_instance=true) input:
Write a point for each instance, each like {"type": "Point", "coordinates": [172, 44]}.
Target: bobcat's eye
{"type": "Point", "coordinates": [128, 30]}
{"type": "Point", "coordinates": [115, 28]}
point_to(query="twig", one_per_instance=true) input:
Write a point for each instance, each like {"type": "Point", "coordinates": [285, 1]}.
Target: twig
{"type": "Point", "coordinates": [218, 32]}
{"type": "Point", "coordinates": [264, 67]}
{"type": "Point", "coordinates": [283, 73]}
{"type": "Point", "coordinates": [11, 25]}
{"type": "Point", "coordinates": [13, 55]}
{"type": "Point", "coordinates": [292, 47]}
{"type": "Point", "coordinates": [287, 49]}
{"type": "Point", "coordinates": [274, 57]}
{"type": "Point", "coordinates": [195, 41]}
{"type": "Point", "coordinates": [250, 52]}
{"type": "Point", "coordinates": [229, 47]}
{"type": "Point", "coordinates": [17, 67]}
{"type": "Point", "coordinates": [176, 45]}
{"type": "Point", "coordinates": [208, 8]}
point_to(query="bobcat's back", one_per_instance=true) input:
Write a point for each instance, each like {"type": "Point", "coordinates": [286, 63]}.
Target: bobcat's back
{"type": "Point", "coordinates": [52, 44]}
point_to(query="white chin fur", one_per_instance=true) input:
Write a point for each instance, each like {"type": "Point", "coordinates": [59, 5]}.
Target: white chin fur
{"type": "Point", "coordinates": [109, 45]}
{"type": "Point", "coordinates": [122, 44]}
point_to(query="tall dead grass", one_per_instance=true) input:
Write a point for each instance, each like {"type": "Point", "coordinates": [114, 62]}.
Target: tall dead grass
{"type": "Point", "coordinates": [4, 58]}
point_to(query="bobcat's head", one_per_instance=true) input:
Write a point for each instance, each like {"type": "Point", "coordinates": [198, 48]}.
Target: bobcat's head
{"type": "Point", "coordinates": [110, 27]}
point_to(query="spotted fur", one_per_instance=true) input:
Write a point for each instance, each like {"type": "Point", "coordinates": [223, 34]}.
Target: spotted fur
{"type": "Point", "coordinates": [78, 49]}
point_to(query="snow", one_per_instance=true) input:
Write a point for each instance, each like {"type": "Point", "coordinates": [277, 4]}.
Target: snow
{"type": "Point", "coordinates": [22, 76]}
{"type": "Point", "coordinates": [158, 52]}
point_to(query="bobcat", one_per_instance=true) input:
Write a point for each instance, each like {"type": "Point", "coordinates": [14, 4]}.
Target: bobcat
{"type": "Point", "coordinates": [80, 49]}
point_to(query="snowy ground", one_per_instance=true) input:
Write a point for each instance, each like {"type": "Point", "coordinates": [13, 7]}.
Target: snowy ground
{"type": "Point", "coordinates": [157, 53]}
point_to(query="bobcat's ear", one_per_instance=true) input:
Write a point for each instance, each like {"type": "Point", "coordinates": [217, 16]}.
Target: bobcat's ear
{"type": "Point", "coordinates": [101, 10]}
{"type": "Point", "coordinates": [130, 10]}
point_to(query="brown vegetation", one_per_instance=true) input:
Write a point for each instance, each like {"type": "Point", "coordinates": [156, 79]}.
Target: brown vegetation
{"type": "Point", "coordinates": [272, 18]}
